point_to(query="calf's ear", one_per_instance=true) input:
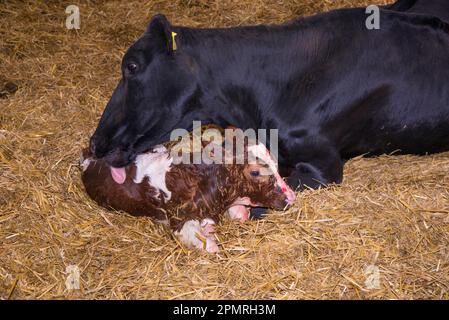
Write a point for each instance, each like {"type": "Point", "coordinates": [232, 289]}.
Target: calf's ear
{"type": "Point", "coordinates": [161, 31]}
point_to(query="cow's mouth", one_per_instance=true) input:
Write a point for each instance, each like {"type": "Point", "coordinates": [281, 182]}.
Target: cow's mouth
{"type": "Point", "coordinates": [117, 162]}
{"type": "Point", "coordinates": [119, 159]}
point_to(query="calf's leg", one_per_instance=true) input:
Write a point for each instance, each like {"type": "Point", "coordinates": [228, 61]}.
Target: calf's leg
{"type": "Point", "coordinates": [238, 212]}
{"type": "Point", "coordinates": [198, 234]}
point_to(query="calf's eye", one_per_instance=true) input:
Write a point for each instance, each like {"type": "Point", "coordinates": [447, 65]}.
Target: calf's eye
{"type": "Point", "coordinates": [132, 67]}
{"type": "Point", "coordinates": [254, 173]}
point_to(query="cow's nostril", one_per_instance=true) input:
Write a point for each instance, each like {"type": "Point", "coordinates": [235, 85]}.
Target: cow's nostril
{"type": "Point", "coordinates": [97, 147]}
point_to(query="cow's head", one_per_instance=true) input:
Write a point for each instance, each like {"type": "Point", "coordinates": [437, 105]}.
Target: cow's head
{"type": "Point", "coordinates": [154, 96]}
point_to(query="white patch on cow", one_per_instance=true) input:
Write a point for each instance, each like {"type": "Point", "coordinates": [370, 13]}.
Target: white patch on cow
{"type": "Point", "coordinates": [155, 166]}
{"type": "Point", "coordinates": [188, 234]}
{"type": "Point", "coordinates": [84, 163]}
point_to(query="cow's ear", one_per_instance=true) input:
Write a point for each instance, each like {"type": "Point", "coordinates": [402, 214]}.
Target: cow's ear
{"type": "Point", "coordinates": [161, 30]}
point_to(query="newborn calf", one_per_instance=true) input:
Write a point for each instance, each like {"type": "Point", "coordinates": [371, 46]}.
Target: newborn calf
{"type": "Point", "coordinates": [189, 197]}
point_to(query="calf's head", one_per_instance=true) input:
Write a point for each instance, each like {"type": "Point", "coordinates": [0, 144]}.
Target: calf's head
{"type": "Point", "coordinates": [258, 182]}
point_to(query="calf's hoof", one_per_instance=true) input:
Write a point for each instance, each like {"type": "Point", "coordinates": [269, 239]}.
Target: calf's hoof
{"type": "Point", "coordinates": [207, 231]}
{"type": "Point", "coordinates": [211, 246]}
{"type": "Point", "coordinates": [238, 212]}
{"type": "Point", "coordinates": [198, 235]}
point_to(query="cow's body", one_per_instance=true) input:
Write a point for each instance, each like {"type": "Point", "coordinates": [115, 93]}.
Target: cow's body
{"type": "Point", "coordinates": [437, 8]}
{"type": "Point", "coordinates": [333, 88]}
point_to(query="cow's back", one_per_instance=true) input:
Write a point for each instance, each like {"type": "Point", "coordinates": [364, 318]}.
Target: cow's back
{"type": "Point", "coordinates": [383, 90]}
{"type": "Point", "coordinates": [437, 8]}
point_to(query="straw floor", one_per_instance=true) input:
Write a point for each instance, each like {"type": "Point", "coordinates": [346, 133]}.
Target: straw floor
{"type": "Point", "coordinates": [391, 214]}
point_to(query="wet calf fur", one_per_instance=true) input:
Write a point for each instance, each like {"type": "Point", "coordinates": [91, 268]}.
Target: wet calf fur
{"type": "Point", "coordinates": [191, 198]}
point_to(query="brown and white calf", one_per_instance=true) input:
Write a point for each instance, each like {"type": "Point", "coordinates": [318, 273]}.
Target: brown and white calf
{"type": "Point", "coordinates": [191, 198]}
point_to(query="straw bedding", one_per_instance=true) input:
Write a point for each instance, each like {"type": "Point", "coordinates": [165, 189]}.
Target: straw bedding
{"type": "Point", "coordinates": [391, 212]}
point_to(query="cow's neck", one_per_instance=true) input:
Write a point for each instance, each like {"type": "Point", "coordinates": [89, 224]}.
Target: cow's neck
{"type": "Point", "coordinates": [239, 69]}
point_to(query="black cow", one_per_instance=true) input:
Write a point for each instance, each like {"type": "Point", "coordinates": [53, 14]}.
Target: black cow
{"type": "Point", "coordinates": [437, 8]}
{"type": "Point", "coordinates": [333, 88]}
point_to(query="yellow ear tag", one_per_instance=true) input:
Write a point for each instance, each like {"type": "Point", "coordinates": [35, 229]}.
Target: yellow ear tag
{"type": "Point", "coordinates": [173, 36]}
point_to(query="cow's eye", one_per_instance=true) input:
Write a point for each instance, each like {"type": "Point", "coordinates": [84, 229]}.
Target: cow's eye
{"type": "Point", "coordinates": [132, 67]}
{"type": "Point", "coordinates": [255, 173]}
